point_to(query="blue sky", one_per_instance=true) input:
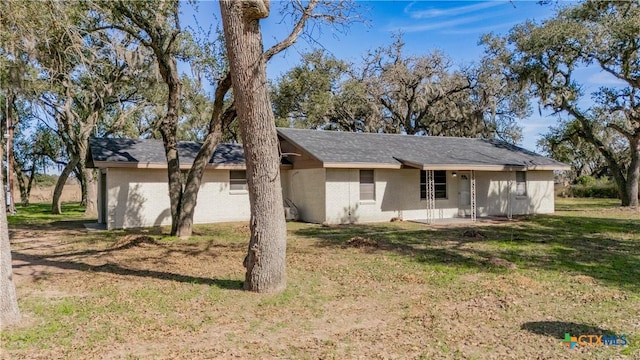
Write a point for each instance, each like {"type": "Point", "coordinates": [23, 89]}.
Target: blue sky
{"type": "Point", "coordinates": [453, 27]}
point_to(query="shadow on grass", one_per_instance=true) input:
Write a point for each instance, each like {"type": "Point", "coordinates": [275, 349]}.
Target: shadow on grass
{"type": "Point", "coordinates": [604, 249]}
{"type": "Point", "coordinates": [557, 329]}
{"type": "Point", "coordinates": [120, 270]}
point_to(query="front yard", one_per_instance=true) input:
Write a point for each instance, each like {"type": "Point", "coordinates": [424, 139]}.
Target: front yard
{"type": "Point", "coordinates": [395, 290]}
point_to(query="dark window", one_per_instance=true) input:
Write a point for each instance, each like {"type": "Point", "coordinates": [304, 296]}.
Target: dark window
{"type": "Point", "coordinates": [521, 183]}
{"type": "Point", "coordinates": [439, 184]}
{"type": "Point", "coordinates": [367, 185]}
{"type": "Point", "coordinates": [238, 180]}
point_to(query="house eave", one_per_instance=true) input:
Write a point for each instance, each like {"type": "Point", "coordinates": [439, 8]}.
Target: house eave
{"type": "Point", "coordinates": [149, 165]}
{"type": "Point", "coordinates": [479, 167]}
{"type": "Point", "coordinates": [549, 167]}
{"type": "Point", "coordinates": [360, 165]}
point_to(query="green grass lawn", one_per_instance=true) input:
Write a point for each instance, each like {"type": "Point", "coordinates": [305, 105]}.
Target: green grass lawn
{"type": "Point", "coordinates": [40, 215]}
{"type": "Point", "coordinates": [510, 290]}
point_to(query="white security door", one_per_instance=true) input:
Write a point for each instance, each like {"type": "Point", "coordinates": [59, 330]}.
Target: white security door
{"type": "Point", "coordinates": [464, 194]}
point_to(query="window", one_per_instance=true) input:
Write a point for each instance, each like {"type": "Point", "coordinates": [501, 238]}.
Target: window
{"type": "Point", "coordinates": [521, 183]}
{"type": "Point", "coordinates": [238, 180]}
{"type": "Point", "coordinates": [367, 185]}
{"type": "Point", "coordinates": [439, 184]}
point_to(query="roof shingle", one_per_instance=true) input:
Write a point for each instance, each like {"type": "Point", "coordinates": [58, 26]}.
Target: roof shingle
{"type": "Point", "coordinates": [151, 151]}
{"type": "Point", "coordinates": [336, 147]}
{"type": "Point", "coordinates": [346, 147]}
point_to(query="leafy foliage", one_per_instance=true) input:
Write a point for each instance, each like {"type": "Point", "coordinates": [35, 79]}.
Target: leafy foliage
{"type": "Point", "coordinates": [395, 93]}
{"type": "Point", "coordinates": [544, 58]}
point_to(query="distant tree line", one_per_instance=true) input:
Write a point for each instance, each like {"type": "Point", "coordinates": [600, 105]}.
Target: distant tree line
{"type": "Point", "coordinates": [392, 92]}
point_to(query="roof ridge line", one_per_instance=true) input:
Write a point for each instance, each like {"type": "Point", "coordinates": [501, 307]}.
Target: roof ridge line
{"type": "Point", "coordinates": [386, 134]}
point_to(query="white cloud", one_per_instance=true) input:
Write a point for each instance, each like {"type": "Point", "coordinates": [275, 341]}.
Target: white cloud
{"type": "Point", "coordinates": [437, 25]}
{"type": "Point", "coordinates": [482, 29]}
{"type": "Point", "coordinates": [603, 78]}
{"type": "Point", "coordinates": [533, 128]}
{"type": "Point", "coordinates": [435, 12]}
{"type": "Point", "coordinates": [448, 18]}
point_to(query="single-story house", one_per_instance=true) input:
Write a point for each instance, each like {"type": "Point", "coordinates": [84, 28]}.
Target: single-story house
{"type": "Point", "coordinates": [333, 177]}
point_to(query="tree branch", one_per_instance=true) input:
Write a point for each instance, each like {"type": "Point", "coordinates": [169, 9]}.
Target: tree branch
{"type": "Point", "coordinates": [294, 34]}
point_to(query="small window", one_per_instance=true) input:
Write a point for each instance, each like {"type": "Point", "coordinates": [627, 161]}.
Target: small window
{"type": "Point", "coordinates": [521, 183]}
{"type": "Point", "coordinates": [238, 180]}
{"type": "Point", "coordinates": [439, 184]}
{"type": "Point", "coordinates": [367, 185]}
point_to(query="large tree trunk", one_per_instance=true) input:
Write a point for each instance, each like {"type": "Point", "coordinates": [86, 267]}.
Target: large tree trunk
{"type": "Point", "coordinates": [168, 129]}
{"type": "Point", "coordinates": [588, 134]}
{"type": "Point", "coordinates": [10, 156]}
{"type": "Point", "coordinates": [175, 176]}
{"type": "Point", "coordinates": [88, 180]}
{"type": "Point", "coordinates": [633, 173]}
{"type": "Point", "coordinates": [32, 177]}
{"type": "Point", "coordinates": [625, 200]}
{"type": "Point", "coordinates": [9, 312]}
{"type": "Point", "coordinates": [56, 206]}
{"type": "Point", "coordinates": [23, 185]}
{"type": "Point", "coordinates": [192, 185]}
{"type": "Point", "coordinates": [91, 184]}
{"type": "Point", "coordinates": [194, 178]}
{"type": "Point", "coordinates": [79, 173]}
{"type": "Point", "coordinates": [266, 257]}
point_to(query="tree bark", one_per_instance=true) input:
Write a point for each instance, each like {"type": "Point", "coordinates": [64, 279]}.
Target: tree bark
{"type": "Point", "coordinates": [194, 178]}
{"type": "Point", "coordinates": [9, 312]}
{"type": "Point", "coordinates": [588, 134]}
{"type": "Point", "coordinates": [87, 177]}
{"type": "Point", "coordinates": [56, 206]}
{"type": "Point", "coordinates": [633, 173]}
{"type": "Point", "coordinates": [168, 129]}
{"type": "Point", "coordinates": [192, 185]}
{"type": "Point", "coordinates": [10, 156]}
{"type": "Point", "coordinates": [24, 184]}
{"type": "Point", "coordinates": [79, 173]}
{"type": "Point", "coordinates": [266, 257]}
{"type": "Point", "coordinates": [91, 185]}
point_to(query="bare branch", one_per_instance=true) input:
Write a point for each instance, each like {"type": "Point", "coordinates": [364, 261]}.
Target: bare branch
{"type": "Point", "coordinates": [294, 34]}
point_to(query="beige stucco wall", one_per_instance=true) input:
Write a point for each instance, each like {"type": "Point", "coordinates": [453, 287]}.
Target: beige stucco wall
{"type": "Point", "coordinates": [216, 203]}
{"type": "Point", "coordinates": [540, 196]}
{"type": "Point", "coordinates": [306, 188]}
{"type": "Point", "coordinates": [494, 196]}
{"type": "Point", "coordinates": [492, 192]}
{"type": "Point", "coordinates": [397, 194]}
{"type": "Point", "coordinates": [140, 197]}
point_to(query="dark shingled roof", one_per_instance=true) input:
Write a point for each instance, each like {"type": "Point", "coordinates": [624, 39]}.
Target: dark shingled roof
{"type": "Point", "coordinates": [347, 147]}
{"type": "Point", "coordinates": [151, 151]}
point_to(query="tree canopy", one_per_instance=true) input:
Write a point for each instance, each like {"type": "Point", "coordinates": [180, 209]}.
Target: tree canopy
{"type": "Point", "coordinates": [396, 93]}
{"type": "Point", "coordinates": [544, 58]}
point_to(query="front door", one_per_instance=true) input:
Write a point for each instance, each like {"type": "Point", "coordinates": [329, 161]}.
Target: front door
{"type": "Point", "coordinates": [464, 194]}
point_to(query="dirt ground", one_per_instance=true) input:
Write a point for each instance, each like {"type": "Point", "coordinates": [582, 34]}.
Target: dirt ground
{"type": "Point", "coordinates": [137, 294]}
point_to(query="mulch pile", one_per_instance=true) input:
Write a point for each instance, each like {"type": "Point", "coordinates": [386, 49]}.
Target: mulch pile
{"type": "Point", "coordinates": [129, 241]}
{"type": "Point", "coordinates": [473, 234]}
{"type": "Point", "coordinates": [358, 241]}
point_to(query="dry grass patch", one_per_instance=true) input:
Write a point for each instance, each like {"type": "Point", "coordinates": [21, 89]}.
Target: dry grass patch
{"type": "Point", "coordinates": [419, 292]}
